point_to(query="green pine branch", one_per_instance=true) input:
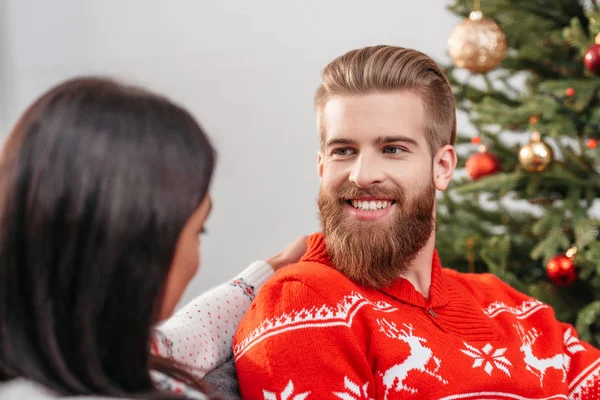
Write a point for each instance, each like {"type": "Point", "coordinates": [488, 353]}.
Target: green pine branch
{"type": "Point", "coordinates": [479, 227]}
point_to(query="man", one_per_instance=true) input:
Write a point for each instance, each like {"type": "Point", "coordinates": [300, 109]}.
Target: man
{"type": "Point", "coordinates": [369, 313]}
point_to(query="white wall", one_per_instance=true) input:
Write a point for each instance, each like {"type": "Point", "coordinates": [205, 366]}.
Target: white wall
{"type": "Point", "coordinates": [246, 69]}
{"type": "Point", "coordinates": [3, 65]}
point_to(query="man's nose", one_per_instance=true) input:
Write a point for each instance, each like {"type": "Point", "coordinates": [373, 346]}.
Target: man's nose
{"type": "Point", "coordinates": [366, 172]}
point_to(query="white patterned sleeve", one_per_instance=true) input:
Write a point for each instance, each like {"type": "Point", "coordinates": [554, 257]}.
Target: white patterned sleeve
{"type": "Point", "coordinates": [200, 335]}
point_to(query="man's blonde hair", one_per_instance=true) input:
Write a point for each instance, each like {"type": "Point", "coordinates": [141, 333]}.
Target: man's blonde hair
{"type": "Point", "coordinates": [388, 69]}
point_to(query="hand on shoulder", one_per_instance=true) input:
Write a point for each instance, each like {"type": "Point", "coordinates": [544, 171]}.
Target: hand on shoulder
{"type": "Point", "coordinates": [290, 255]}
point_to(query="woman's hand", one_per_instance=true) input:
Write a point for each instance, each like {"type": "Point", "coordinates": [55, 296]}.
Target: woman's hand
{"type": "Point", "coordinates": [290, 255]}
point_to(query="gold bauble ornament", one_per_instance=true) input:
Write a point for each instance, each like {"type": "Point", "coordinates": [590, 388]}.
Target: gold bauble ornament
{"type": "Point", "coordinates": [535, 155]}
{"type": "Point", "coordinates": [477, 44]}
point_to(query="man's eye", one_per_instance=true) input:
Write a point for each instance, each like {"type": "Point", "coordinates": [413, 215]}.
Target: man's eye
{"type": "Point", "coordinates": [343, 151]}
{"type": "Point", "coordinates": [393, 150]}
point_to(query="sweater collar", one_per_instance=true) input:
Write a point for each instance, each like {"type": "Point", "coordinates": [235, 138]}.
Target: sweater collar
{"type": "Point", "coordinates": [404, 291]}
{"type": "Point", "coordinates": [401, 289]}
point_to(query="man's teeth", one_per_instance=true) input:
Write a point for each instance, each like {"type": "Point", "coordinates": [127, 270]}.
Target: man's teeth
{"type": "Point", "coordinates": [371, 205]}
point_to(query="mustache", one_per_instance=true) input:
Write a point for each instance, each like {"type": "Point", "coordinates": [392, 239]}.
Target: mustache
{"type": "Point", "coordinates": [351, 191]}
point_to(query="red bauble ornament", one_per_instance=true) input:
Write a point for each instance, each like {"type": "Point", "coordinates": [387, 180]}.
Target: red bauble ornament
{"type": "Point", "coordinates": [476, 140]}
{"type": "Point", "coordinates": [561, 270]}
{"type": "Point", "coordinates": [592, 143]}
{"type": "Point", "coordinates": [482, 164]}
{"type": "Point", "coordinates": [570, 92]}
{"type": "Point", "coordinates": [591, 60]}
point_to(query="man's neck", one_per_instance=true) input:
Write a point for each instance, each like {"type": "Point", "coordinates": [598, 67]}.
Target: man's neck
{"type": "Point", "coordinates": [419, 271]}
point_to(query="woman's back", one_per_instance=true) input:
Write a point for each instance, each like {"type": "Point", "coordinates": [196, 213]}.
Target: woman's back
{"type": "Point", "coordinates": [97, 183]}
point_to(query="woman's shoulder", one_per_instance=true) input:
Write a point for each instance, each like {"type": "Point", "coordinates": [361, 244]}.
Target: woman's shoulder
{"type": "Point", "coordinates": [21, 389]}
{"type": "Point", "coordinates": [17, 389]}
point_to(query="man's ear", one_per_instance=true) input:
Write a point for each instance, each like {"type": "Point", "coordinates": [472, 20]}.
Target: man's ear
{"type": "Point", "coordinates": [444, 164]}
{"type": "Point", "coordinates": [320, 164]}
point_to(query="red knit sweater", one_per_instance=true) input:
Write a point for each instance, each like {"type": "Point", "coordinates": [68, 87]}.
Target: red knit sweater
{"type": "Point", "coordinates": [313, 334]}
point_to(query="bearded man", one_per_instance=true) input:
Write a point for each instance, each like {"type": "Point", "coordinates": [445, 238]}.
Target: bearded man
{"type": "Point", "coordinates": [369, 312]}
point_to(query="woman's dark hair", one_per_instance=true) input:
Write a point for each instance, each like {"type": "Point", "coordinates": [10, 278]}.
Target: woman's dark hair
{"type": "Point", "coordinates": [97, 181]}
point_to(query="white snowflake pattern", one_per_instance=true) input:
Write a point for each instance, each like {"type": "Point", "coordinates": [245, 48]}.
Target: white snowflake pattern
{"type": "Point", "coordinates": [354, 391]}
{"type": "Point", "coordinates": [488, 359]}
{"type": "Point", "coordinates": [286, 394]}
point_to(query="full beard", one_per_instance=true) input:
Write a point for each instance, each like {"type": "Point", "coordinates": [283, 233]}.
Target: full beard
{"type": "Point", "coordinates": [376, 253]}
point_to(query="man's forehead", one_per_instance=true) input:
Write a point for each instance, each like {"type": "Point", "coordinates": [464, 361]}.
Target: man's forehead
{"type": "Point", "coordinates": [373, 115]}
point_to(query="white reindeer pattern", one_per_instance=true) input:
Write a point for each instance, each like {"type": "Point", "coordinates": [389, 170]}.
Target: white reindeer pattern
{"type": "Point", "coordinates": [417, 360]}
{"type": "Point", "coordinates": [538, 366]}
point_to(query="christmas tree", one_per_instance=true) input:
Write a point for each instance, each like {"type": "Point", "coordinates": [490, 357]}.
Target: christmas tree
{"type": "Point", "coordinates": [527, 211]}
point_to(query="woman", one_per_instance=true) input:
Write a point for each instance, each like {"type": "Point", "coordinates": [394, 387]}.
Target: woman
{"type": "Point", "coordinates": [104, 190]}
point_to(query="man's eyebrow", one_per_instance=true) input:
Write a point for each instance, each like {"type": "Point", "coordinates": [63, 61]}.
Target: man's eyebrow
{"type": "Point", "coordinates": [392, 139]}
{"type": "Point", "coordinates": [333, 142]}
{"type": "Point", "coordinates": [377, 141]}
